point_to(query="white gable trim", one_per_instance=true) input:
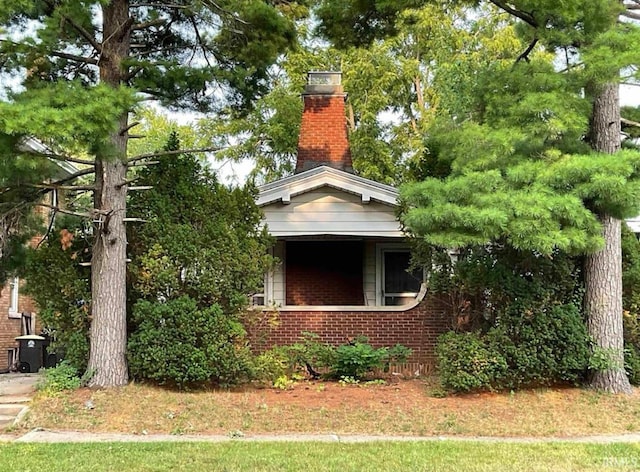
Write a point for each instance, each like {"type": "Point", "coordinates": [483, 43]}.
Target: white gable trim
{"type": "Point", "coordinates": [284, 189]}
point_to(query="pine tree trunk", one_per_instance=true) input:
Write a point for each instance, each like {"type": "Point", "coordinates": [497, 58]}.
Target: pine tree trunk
{"type": "Point", "coordinates": [603, 270]}
{"type": "Point", "coordinates": [108, 341]}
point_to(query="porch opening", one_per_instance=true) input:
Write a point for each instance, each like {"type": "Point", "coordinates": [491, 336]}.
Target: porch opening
{"type": "Point", "coordinates": [324, 273]}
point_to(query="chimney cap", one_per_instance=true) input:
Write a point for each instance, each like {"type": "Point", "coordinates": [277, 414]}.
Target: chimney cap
{"type": "Point", "coordinates": [323, 77]}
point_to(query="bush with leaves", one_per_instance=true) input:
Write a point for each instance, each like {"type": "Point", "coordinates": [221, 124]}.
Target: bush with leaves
{"type": "Point", "coordinates": [522, 308]}
{"type": "Point", "coordinates": [180, 344]}
{"type": "Point", "coordinates": [353, 360]}
{"type": "Point", "coordinates": [60, 286]}
{"type": "Point", "coordinates": [631, 303]}
{"type": "Point", "coordinates": [57, 379]}
{"type": "Point", "coordinates": [467, 362]}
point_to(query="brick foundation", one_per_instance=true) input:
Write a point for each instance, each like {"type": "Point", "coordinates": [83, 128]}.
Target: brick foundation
{"type": "Point", "coordinates": [416, 328]}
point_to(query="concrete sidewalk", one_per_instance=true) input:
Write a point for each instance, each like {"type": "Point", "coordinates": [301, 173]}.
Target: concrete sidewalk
{"type": "Point", "coordinates": [44, 436]}
{"type": "Point", "coordinates": [15, 393]}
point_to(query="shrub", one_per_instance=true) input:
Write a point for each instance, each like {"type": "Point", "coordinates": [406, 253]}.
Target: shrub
{"type": "Point", "coordinates": [270, 366]}
{"type": "Point", "coordinates": [467, 362]}
{"type": "Point", "coordinates": [356, 359]}
{"type": "Point", "coordinates": [632, 347]}
{"type": "Point", "coordinates": [540, 348]}
{"type": "Point", "coordinates": [310, 354]}
{"type": "Point", "coordinates": [177, 343]}
{"type": "Point", "coordinates": [60, 378]}
{"type": "Point", "coordinates": [543, 347]}
{"type": "Point", "coordinates": [352, 360]}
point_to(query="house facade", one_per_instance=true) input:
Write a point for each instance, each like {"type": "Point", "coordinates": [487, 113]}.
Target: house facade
{"type": "Point", "coordinates": [343, 267]}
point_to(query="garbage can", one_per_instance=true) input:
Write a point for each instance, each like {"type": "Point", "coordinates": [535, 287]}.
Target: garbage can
{"type": "Point", "coordinates": [30, 356]}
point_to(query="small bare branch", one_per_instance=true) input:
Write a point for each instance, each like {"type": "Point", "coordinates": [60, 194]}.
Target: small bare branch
{"type": "Point", "coordinates": [524, 16]}
{"type": "Point", "coordinates": [83, 32]}
{"type": "Point", "coordinates": [125, 130]}
{"type": "Point", "coordinates": [73, 57]}
{"type": "Point", "coordinates": [170, 153]}
{"type": "Point", "coordinates": [149, 24]}
{"type": "Point", "coordinates": [75, 160]}
{"type": "Point", "coordinates": [624, 121]}
{"type": "Point", "coordinates": [62, 210]}
{"type": "Point", "coordinates": [525, 55]}
{"type": "Point", "coordinates": [61, 187]}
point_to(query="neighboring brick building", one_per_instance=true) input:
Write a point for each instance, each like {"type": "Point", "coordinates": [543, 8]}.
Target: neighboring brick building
{"type": "Point", "coordinates": [17, 311]}
{"type": "Point", "coordinates": [344, 261]}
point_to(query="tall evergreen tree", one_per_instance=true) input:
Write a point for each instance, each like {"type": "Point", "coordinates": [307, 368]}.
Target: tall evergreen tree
{"type": "Point", "coordinates": [518, 151]}
{"type": "Point", "coordinates": [82, 66]}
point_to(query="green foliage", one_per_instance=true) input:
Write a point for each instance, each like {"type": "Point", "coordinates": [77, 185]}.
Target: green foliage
{"type": "Point", "coordinates": [57, 379]}
{"type": "Point", "coordinates": [522, 311]}
{"type": "Point", "coordinates": [519, 350]}
{"type": "Point", "coordinates": [178, 343]}
{"type": "Point", "coordinates": [353, 360]}
{"type": "Point", "coordinates": [61, 289]}
{"type": "Point", "coordinates": [631, 303]}
{"type": "Point", "coordinates": [309, 353]}
{"type": "Point", "coordinates": [467, 362]}
{"type": "Point", "coordinates": [200, 238]}
{"type": "Point", "coordinates": [542, 347]}
{"type": "Point", "coordinates": [357, 359]}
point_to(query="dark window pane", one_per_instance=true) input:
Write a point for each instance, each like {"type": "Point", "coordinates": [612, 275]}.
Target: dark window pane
{"type": "Point", "coordinates": [396, 277]}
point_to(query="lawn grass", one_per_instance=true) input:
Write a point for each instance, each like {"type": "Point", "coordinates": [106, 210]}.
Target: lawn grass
{"type": "Point", "coordinates": [243, 456]}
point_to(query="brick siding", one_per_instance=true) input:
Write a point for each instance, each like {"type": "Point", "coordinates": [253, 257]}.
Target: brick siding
{"type": "Point", "coordinates": [10, 328]}
{"type": "Point", "coordinates": [417, 328]}
{"type": "Point", "coordinates": [324, 273]}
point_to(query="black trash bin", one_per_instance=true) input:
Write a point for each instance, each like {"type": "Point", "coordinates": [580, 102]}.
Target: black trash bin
{"type": "Point", "coordinates": [31, 353]}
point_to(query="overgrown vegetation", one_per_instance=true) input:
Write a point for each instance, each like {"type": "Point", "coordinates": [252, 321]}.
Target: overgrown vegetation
{"type": "Point", "coordinates": [62, 377]}
{"type": "Point", "coordinates": [516, 319]}
{"type": "Point", "coordinates": [176, 342]}
{"type": "Point", "coordinates": [60, 286]}
{"type": "Point", "coordinates": [353, 361]}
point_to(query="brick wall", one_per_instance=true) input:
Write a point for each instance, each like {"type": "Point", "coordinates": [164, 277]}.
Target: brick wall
{"type": "Point", "coordinates": [323, 133]}
{"type": "Point", "coordinates": [324, 273]}
{"type": "Point", "coordinates": [416, 328]}
{"type": "Point", "coordinates": [10, 328]}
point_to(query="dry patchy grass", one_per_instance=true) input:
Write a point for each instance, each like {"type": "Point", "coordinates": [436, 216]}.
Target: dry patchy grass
{"type": "Point", "coordinates": [402, 408]}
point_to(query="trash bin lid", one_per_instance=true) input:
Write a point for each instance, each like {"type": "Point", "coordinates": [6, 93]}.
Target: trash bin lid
{"type": "Point", "coordinates": [35, 337]}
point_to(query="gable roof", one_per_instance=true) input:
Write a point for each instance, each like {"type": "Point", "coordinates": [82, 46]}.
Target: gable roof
{"type": "Point", "coordinates": [323, 176]}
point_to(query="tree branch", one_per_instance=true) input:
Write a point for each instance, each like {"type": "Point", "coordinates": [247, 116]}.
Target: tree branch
{"type": "Point", "coordinates": [632, 15]}
{"type": "Point", "coordinates": [524, 16]}
{"type": "Point", "coordinates": [83, 32]}
{"type": "Point", "coordinates": [75, 58]}
{"type": "Point", "coordinates": [61, 187]}
{"type": "Point", "coordinates": [75, 160]}
{"type": "Point", "coordinates": [170, 153]}
{"type": "Point", "coordinates": [74, 176]}
{"type": "Point", "coordinates": [148, 24]}
{"type": "Point", "coordinates": [624, 121]}
{"type": "Point", "coordinates": [123, 131]}
{"type": "Point", "coordinates": [525, 54]}
{"type": "Point", "coordinates": [62, 210]}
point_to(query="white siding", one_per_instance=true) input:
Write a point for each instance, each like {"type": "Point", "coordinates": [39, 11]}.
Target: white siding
{"type": "Point", "coordinates": [370, 273]}
{"type": "Point", "coordinates": [275, 279]}
{"type": "Point", "coordinates": [331, 211]}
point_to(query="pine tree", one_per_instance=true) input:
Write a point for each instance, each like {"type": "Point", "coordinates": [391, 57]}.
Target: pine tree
{"type": "Point", "coordinates": [533, 149]}
{"type": "Point", "coordinates": [83, 66]}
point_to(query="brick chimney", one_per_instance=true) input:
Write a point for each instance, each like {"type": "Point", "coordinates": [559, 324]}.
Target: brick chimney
{"type": "Point", "coordinates": [323, 131]}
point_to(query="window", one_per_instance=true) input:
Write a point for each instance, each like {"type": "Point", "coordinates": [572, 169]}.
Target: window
{"type": "Point", "coordinates": [14, 288]}
{"type": "Point", "coordinates": [397, 284]}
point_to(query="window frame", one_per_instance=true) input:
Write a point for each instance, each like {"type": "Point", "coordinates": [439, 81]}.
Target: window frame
{"type": "Point", "coordinates": [381, 250]}
{"type": "Point", "coordinates": [14, 298]}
